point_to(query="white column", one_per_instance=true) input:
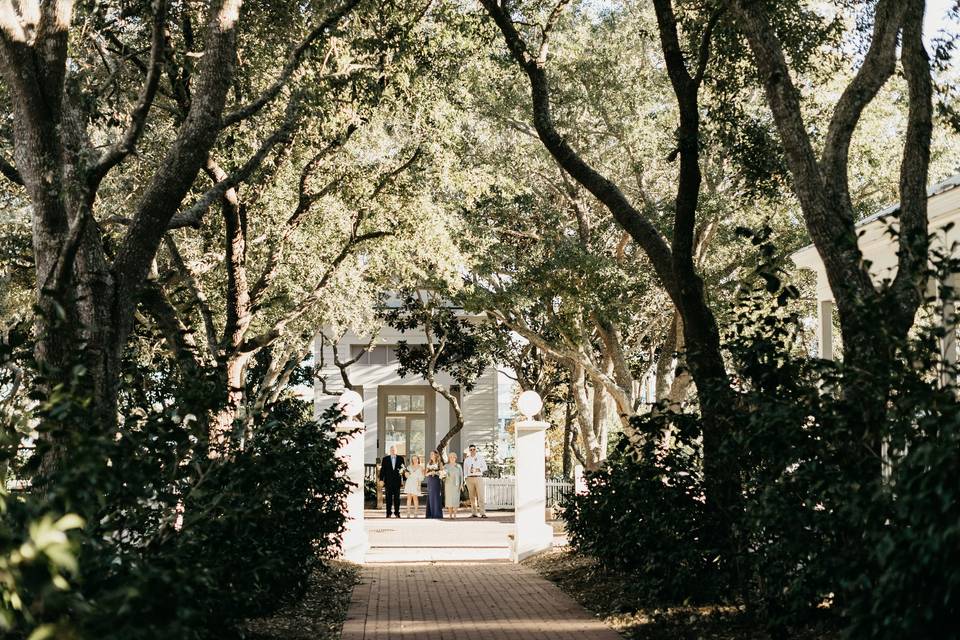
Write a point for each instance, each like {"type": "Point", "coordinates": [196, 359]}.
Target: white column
{"type": "Point", "coordinates": [531, 532]}
{"type": "Point", "coordinates": [371, 411]}
{"type": "Point", "coordinates": [948, 346]}
{"type": "Point", "coordinates": [824, 316]}
{"type": "Point", "coordinates": [825, 329]}
{"type": "Point", "coordinates": [355, 540]}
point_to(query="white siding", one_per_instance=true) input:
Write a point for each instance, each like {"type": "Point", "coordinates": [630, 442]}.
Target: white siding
{"type": "Point", "coordinates": [480, 411]}
{"type": "Point", "coordinates": [480, 405]}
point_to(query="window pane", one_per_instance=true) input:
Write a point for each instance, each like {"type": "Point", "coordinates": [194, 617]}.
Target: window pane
{"type": "Point", "coordinates": [357, 349]}
{"type": "Point", "coordinates": [416, 403]}
{"type": "Point", "coordinates": [391, 354]}
{"type": "Point", "coordinates": [403, 403]}
{"type": "Point", "coordinates": [418, 433]}
{"type": "Point", "coordinates": [391, 403]}
{"type": "Point", "coordinates": [378, 355]}
{"type": "Point", "coordinates": [395, 435]}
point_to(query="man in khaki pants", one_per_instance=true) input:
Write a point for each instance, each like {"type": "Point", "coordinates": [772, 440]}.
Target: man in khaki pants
{"type": "Point", "coordinates": [474, 467]}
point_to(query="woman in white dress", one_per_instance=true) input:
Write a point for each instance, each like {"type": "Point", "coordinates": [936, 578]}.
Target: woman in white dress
{"type": "Point", "coordinates": [411, 487]}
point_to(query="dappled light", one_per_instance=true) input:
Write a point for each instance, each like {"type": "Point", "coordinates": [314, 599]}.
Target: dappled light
{"type": "Point", "coordinates": [498, 319]}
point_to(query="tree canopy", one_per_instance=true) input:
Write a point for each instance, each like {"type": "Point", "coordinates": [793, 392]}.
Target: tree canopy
{"type": "Point", "coordinates": [598, 199]}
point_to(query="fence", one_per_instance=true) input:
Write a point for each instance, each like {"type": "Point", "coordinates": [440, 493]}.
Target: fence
{"type": "Point", "coordinates": [499, 492]}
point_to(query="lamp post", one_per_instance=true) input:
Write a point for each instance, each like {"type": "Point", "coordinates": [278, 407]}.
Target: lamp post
{"type": "Point", "coordinates": [531, 532]}
{"type": "Point", "coordinates": [355, 542]}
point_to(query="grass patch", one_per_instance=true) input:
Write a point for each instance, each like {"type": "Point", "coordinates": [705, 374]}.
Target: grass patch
{"type": "Point", "coordinates": [318, 615]}
{"type": "Point", "coordinates": [611, 597]}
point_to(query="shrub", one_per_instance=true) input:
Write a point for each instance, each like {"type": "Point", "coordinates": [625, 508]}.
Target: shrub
{"type": "Point", "coordinates": [856, 527]}
{"type": "Point", "coordinates": [864, 526]}
{"type": "Point", "coordinates": [178, 545]}
{"type": "Point", "coordinates": [644, 514]}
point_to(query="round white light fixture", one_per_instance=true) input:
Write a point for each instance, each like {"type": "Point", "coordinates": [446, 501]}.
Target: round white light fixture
{"type": "Point", "coordinates": [350, 403]}
{"type": "Point", "coordinates": [529, 404]}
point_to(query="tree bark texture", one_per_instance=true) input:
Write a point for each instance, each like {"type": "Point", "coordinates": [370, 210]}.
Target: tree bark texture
{"type": "Point", "coordinates": [873, 320]}
{"type": "Point", "coordinates": [87, 300]}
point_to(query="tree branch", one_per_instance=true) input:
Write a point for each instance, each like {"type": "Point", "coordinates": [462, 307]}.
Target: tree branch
{"type": "Point", "coordinates": [283, 135]}
{"type": "Point", "coordinates": [293, 63]}
{"type": "Point", "coordinates": [138, 117]}
{"type": "Point", "coordinates": [272, 267]}
{"type": "Point", "coordinates": [703, 52]}
{"type": "Point", "coordinates": [197, 294]}
{"type": "Point", "coordinates": [914, 170]}
{"type": "Point", "coordinates": [877, 67]}
{"type": "Point", "coordinates": [642, 229]}
{"type": "Point", "coordinates": [178, 170]}
{"type": "Point", "coordinates": [177, 334]}
{"type": "Point", "coordinates": [267, 338]}
{"type": "Point", "coordinates": [10, 172]}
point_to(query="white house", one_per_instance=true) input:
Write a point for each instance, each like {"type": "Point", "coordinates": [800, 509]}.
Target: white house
{"type": "Point", "coordinates": [404, 412]}
{"type": "Point", "coordinates": [880, 249]}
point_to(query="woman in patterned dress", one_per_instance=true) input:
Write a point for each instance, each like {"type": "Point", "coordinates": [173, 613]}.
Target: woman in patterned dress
{"type": "Point", "coordinates": [452, 484]}
{"type": "Point", "coordinates": [411, 487]}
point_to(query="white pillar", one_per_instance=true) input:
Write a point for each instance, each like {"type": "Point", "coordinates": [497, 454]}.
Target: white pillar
{"type": "Point", "coordinates": [948, 346]}
{"type": "Point", "coordinates": [355, 540]}
{"type": "Point", "coordinates": [824, 316]}
{"type": "Point", "coordinates": [825, 329]}
{"type": "Point", "coordinates": [531, 532]}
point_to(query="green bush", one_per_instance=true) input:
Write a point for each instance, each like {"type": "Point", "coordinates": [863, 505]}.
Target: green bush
{"type": "Point", "coordinates": [643, 514]}
{"type": "Point", "coordinates": [859, 525]}
{"type": "Point", "coordinates": [854, 528]}
{"type": "Point", "coordinates": [176, 544]}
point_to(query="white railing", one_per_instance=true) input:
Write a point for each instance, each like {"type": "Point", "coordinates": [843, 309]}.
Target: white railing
{"type": "Point", "coordinates": [498, 492]}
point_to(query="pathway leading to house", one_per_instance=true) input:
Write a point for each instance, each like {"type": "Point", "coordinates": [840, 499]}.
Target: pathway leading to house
{"type": "Point", "coordinates": [452, 580]}
{"type": "Point", "coordinates": [422, 540]}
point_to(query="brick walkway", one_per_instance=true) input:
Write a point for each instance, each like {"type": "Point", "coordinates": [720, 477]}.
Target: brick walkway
{"type": "Point", "coordinates": [497, 601]}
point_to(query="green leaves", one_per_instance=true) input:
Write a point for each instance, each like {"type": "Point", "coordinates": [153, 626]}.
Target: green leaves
{"type": "Point", "coordinates": [456, 346]}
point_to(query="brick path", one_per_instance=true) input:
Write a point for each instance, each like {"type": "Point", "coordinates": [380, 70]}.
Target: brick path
{"type": "Point", "coordinates": [499, 601]}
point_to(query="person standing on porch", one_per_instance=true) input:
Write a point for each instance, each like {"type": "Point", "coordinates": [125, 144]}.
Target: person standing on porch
{"type": "Point", "coordinates": [432, 472]}
{"type": "Point", "coordinates": [452, 484]}
{"type": "Point", "coordinates": [412, 486]}
{"type": "Point", "coordinates": [474, 466]}
{"type": "Point", "coordinates": [390, 469]}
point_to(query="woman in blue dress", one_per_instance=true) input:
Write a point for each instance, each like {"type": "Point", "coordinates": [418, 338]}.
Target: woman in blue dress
{"type": "Point", "coordinates": [434, 500]}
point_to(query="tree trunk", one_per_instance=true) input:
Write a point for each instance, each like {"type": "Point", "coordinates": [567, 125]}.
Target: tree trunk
{"type": "Point", "coordinates": [567, 434]}
{"type": "Point", "coordinates": [873, 322]}
{"type": "Point", "coordinates": [454, 402]}
{"type": "Point", "coordinates": [86, 302]}
{"type": "Point", "coordinates": [673, 264]}
{"type": "Point", "coordinates": [592, 452]}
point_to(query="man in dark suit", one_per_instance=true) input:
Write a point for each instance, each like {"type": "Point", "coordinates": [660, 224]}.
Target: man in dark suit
{"type": "Point", "coordinates": [390, 468]}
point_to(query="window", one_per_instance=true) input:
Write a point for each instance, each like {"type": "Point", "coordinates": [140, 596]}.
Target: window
{"type": "Point", "coordinates": [405, 424]}
{"type": "Point", "coordinates": [406, 403]}
{"type": "Point", "coordinates": [380, 354]}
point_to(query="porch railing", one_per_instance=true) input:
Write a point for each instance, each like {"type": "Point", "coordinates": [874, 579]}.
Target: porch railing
{"type": "Point", "coordinates": [498, 492]}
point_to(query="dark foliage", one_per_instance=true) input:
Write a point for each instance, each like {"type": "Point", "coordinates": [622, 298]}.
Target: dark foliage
{"type": "Point", "coordinates": [176, 544]}
{"type": "Point", "coordinates": [861, 531]}
{"type": "Point", "coordinates": [644, 514]}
